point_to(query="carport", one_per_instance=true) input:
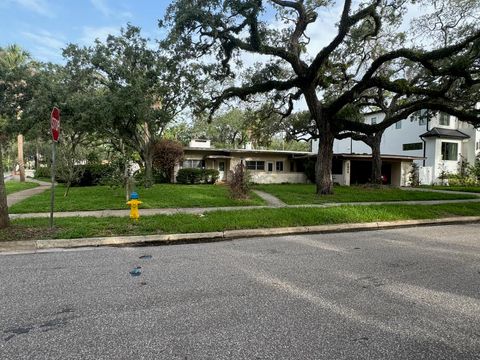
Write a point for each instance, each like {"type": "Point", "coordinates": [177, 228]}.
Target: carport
{"type": "Point", "coordinates": [357, 168]}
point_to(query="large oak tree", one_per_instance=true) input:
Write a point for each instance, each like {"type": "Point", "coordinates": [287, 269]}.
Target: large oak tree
{"type": "Point", "coordinates": [342, 77]}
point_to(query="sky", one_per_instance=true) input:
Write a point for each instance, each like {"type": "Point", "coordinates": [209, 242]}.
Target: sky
{"type": "Point", "coordinates": [44, 27]}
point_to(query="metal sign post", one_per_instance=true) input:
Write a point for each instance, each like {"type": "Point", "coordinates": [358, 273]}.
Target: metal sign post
{"type": "Point", "coordinates": [55, 128]}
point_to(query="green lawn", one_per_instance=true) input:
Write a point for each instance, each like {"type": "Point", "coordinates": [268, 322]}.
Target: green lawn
{"type": "Point", "coordinates": [158, 196]}
{"type": "Point", "coordinates": [296, 194]}
{"type": "Point", "coordinates": [15, 186]}
{"type": "Point", "coordinates": [23, 229]}
{"type": "Point", "coordinates": [472, 189]}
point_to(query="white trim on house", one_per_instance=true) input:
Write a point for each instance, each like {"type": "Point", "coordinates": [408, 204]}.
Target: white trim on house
{"type": "Point", "coordinates": [406, 140]}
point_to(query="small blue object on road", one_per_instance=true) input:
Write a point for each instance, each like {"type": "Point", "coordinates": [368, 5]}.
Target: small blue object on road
{"type": "Point", "coordinates": [136, 271]}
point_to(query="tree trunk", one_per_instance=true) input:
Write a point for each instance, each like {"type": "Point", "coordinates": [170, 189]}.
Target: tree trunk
{"type": "Point", "coordinates": [323, 167]}
{"type": "Point", "coordinates": [148, 155]}
{"type": "Point", "coordinates": [21, 163]}
{"type": "Point", "coordinates": [67, 190]}
{"type": "Point", "coordinates": [375, 142]}
{"type": "Point", "coordinates": [148, 168]}
{"type": "Point", "coordinates": [37, 155]}
{"type": "Point", "coordinates": [4, 219]}
{"type": "Point", "coordinates": [126, 179]}
{"type": "Point", "coordinates": [376, 163]}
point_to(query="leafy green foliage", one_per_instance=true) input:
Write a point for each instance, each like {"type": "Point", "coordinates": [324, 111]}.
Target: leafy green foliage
{"type": "Point", "coordinates": [15, 186]}
{"type": "Point", "coordinates": [166, 155]}
{"type": "Point", "coordinates": [197, 176]}
{"type": "Point", "coordinates": [70, 228]}
{"type": "Point", "coordinates": [414, 175]}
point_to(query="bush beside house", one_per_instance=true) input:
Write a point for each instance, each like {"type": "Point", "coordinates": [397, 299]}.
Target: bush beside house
{"type": "Point", "coordinates": [197, 176]}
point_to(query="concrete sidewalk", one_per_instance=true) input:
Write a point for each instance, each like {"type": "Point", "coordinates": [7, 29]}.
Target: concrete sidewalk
{"type": "Point", "coordinates": [18, 196]}
{"type": "Point", "coordinates": [440, 191]}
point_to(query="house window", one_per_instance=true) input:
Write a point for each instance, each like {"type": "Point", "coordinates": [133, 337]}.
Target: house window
{"type": "Point", "coordinates": [413, 146]}
{"type": "Point", "coordinates": [270, 166]}
{"type": "Point", "coordinates": [279, 166]}
{"type": "Point", "coordinates": [444, 119]}
{"type": "Point", "coordinates": [189, 164]}
{"type": "Point", "coordinates": [374, 120]}
{"type": "Point", "coordinates": [398, 124]}
{"type": "Point", "coordinates": [449, 151]}
{"type": "Point", "coordinates": [256, 165]}
{"type": "Point", "coordinates": [292, 166]}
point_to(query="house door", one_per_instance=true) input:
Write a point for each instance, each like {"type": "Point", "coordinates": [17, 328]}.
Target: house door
{"type": "Point", "coordinates": [221, 170]}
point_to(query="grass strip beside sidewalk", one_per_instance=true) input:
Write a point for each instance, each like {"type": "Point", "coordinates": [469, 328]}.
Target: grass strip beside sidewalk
{"type": "Point", "coordinates": [15, 186]}
{"type": "Point", "coordinates": [69, 228]}
{"type": "Point", "coordinates": [298, 194]}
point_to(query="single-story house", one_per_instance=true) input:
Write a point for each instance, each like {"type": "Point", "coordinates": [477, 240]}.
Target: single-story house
{"type": "Point", "coordinates": [281, 166]}
{"type": "Point", "coordinates": [265, 166]}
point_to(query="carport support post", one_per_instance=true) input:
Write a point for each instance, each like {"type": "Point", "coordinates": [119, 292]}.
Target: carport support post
{"type": "Point", "coordinates": [52, 195]}
{"type": "Point", "coordinates": [346, 172]}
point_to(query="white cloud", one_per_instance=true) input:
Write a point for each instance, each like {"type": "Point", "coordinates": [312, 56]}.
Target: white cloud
{"type": "Point", "coordinates": [89, 34]}
{"type": "Point", "coordinates": [45, 39]}
{"type": "Point", "coordinates": [101, 5]}
{"type": "Point", "coordinates": [46, 54]}
{"type": "Point", "coordinates": [39, 6]}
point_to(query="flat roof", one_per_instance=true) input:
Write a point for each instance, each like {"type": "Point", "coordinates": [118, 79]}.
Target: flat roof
{"type": "Point", "coordinates": [303, 154]}
{"type": "Point", "coordinates": [240, 151]}
{"type": "Point", "coordinates": [384, 156]}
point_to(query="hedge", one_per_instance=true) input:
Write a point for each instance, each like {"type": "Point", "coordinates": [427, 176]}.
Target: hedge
{"type": "Point", "coordinates": [197, 176]}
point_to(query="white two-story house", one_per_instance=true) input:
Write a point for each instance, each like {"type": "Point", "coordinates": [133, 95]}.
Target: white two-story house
{"type": "Point", "coordinates": [441, 141]}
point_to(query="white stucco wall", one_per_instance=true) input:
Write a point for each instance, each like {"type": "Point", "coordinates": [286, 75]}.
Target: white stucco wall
{"type": "Point", "coordinates": [409, 133]}
{"type": "Point", "coordinates": [261, 177]}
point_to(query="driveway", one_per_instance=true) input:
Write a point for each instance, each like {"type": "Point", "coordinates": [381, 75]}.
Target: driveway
{"type": "Point", "coordinates": [392, 294]}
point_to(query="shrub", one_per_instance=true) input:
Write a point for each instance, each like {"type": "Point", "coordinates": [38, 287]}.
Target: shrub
{"type": "Point", "coordinates": [211, 176]}
{"type": "Point", "coordinates": [239, 182]}
{"type": "Point", "coordinates": [458, 180]}
{"type": "Point", "coordinates": [197, 176]}
{"type": "Point", "coordinates": [310, 169]}
{"type": "Point", "coordinates": [189, 176]}
{"type": "Point", "coordinates": [167, 154]}
{"type": "Point", "coordinates": [475, 170]}
{"type": "Point", "coordinates": [414, 175]}
{"type": "Point", "coordinates": [43, 172]}
{"type": "Point", "coordinates": [158, 177]}
{"type": "Point", "coordinates": [94, 174]}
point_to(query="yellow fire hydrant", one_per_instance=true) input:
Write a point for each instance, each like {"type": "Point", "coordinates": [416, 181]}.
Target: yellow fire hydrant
{"type": "Point", "coordinates": [134, 202]}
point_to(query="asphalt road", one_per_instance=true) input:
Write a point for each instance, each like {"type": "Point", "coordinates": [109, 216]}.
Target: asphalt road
{"type": "Point", "coordinates": [393, 294]}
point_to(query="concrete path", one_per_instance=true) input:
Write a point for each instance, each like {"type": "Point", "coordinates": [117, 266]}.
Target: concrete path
{"type": "Point", "coordinates": [440, 191]}
{"type": "Point", "coordinates": [25, 194]}
{"type": "Point", "coordinates": [198, 211]}
{"type": "Point", "coordinates": [270, 199]}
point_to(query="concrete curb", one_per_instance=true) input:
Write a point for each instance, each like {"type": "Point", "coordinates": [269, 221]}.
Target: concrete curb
{"type": "Point", "coordinates": [167, 239]}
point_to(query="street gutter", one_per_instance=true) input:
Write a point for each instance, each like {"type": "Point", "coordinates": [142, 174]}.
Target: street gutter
{"type": "Point", "coordinates": [189, 238]}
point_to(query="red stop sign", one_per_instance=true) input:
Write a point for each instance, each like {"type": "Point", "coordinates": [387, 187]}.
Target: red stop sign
{"type": "Point", "coordinates": [55, 123]}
